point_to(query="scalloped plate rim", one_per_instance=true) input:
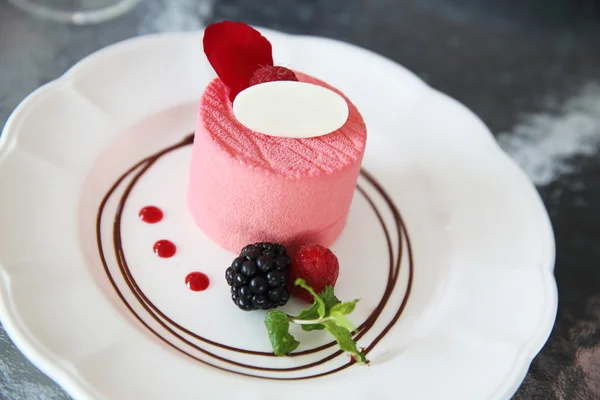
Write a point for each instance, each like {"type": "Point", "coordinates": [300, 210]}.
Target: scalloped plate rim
{"type": "Point", "coordinates": [49, 363]}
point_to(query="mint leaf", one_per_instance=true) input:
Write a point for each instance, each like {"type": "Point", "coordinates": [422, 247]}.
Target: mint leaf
{"type": "Point", "coordinates": [339, 311]}
{"type": "Point", "coordinates": [345, 341]}
{"type": "Point", "coordinates": [318, 300]}
{"type": "Point", "coordinates": [328, 297]}
{"type": "Point", "coordinates": [327, 312]}
{"type": "Point", "coordinates": [341, 321]}
{"type": "Point", "coordinates": [311, 327]}
{"type": "Point", "coordinates": [344, 308]}
{"type": "Point", "coordinates": [278, 327]}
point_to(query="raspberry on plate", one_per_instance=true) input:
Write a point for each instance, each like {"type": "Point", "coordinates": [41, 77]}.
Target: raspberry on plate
{"type": "Point", "coordinates": [317, 265]}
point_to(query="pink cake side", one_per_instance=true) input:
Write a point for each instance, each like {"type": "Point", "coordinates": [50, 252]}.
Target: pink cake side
{"type": "Point", "coordinates": [247, 187]}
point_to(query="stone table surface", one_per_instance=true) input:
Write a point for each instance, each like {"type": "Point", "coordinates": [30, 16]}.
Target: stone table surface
{"type": "Point", "coordinates": [529, 68]}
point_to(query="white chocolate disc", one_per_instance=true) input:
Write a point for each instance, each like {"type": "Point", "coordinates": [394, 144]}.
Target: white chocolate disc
{"type": "Point", "coordinates": [290, 109]}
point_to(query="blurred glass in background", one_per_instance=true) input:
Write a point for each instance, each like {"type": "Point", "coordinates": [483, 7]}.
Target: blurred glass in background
{"type": "Point", "coordinates": [78, 12]}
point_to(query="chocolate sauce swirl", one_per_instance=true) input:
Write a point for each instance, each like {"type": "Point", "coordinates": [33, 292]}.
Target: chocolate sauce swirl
{"type": "Point", "coordinates": [175, 329]}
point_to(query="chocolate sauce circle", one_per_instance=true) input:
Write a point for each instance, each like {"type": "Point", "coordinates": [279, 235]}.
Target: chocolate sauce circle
{"type": "Point", "coordinates": [393, 274]}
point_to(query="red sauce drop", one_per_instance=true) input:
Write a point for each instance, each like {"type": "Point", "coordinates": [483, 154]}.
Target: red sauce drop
{"type": "Point", "coordinates": [197, 281]}
{"type": "Point", "coordinates": [165, 248]}
{"type": "Point", "coordinates": [151, 214]}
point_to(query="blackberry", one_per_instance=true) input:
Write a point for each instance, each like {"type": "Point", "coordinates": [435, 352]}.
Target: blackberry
{"type": "Point", "coordinates": [265, 262]}
{"type": "Point", "coordinates": [279, 296]}
{"type": "Point", "coordinates": [244, 292]}
{"type": "Point", "coordinates": [259, 285]}
{"type": "Point", "coordinates": [276, 279]}
{"type": "Point", "coordinates": [259, 276]}
{"type": "Point", "coordinates": [249, 268]}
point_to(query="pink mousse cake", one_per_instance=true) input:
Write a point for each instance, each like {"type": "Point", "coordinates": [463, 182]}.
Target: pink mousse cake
{"type": "Point", "coordinates": [247, 187]}
{"type": "Point", "coordinates": [285, 187]}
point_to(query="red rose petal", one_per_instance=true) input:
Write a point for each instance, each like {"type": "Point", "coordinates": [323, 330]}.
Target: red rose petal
{"type": "Point", "coordinates": [235, 51]}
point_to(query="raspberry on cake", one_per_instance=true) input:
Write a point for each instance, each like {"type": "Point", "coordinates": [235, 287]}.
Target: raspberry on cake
{"type": "Point", "coordinates": [271, 73]}
{"type": "Point", "coordinates": [246, 186]}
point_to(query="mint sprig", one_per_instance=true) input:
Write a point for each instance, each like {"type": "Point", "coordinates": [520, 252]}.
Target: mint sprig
{"type": "Point", "coordinates": [327, 312]}
{"type": "Point", "coordinates": [312, 312]}
{"type": "Point", "coordinates": [345, 341]}
{"type": "Point", "coordinates": [278, 325]}
{"type": "Point", "coordinates": [319, 303]}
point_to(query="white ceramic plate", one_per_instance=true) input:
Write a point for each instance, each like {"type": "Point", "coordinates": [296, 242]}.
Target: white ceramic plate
{"type": "Point", "coordinates": [475, 251]}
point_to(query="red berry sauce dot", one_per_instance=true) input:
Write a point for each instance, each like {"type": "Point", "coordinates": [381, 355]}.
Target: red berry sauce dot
{"type": "Point", "coordinates": [197, 281]}
{"type": "Point", "coordinates": [164, 249]}
{"type": "Point", "coordinates": [151, 214]}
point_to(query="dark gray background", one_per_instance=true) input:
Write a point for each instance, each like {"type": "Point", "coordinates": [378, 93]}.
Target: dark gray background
{"type": "Point", "coordinates": [529, 68]}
